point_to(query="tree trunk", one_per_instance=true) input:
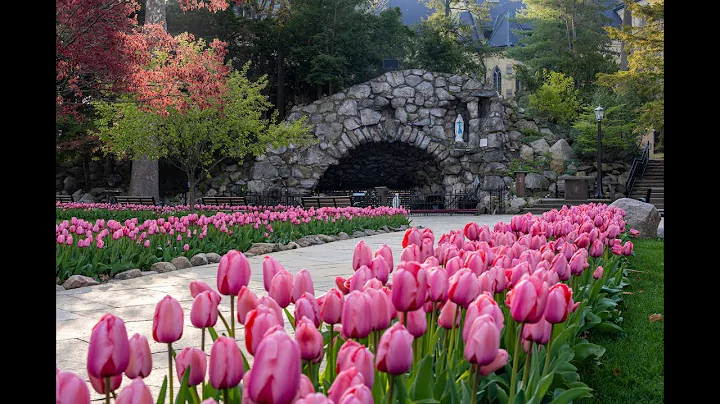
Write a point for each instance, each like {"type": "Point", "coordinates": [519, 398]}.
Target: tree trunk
{"type": "Point", "coordinates": [145, 174]}
{"type": "Point", "coordinates": [191, 191]}
{"type": "Point", "coordinates": [626, 22]}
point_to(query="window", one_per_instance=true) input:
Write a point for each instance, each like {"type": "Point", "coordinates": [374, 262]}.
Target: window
{"type": "Point", "coordinates": [508, 92]}
{"type": "Point", "coordinates": [517, 84]}
{"type": "Point", "coordinates": [497, 80]}
{"type": "Point", "coordinates": [509, 69]}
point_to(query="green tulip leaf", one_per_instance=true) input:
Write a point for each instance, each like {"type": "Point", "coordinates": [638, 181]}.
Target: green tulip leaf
{"type": "Point", "coordinates": [213, 333]}
{"type": "Point", "coordinates": [183, 394]}
{"type": "Point", "coordinates": [440, 385]}
{"type": "Point", "coordinates": [568, 396]}
{"type": "Point", "coordinates": [520, 397]}
{"type": "Point", "coordinates": [587, 349]}
{"type": "Point", "coordinates": [163, 391]}
{"type": "Point", "coordinates": [541, 388]}
{"type": "Point", "coordinates": [422, 386]}
{"type": "Point", "coordinates": [290, 317]}
{"type": "Point", "coordinates": [607, 326]}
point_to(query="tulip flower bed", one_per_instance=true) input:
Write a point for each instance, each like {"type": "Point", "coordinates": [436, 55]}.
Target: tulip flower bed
{"type": "Point", "coordinates": [481, 315]}
{"type": "Point", "coordinates": [108, 246]}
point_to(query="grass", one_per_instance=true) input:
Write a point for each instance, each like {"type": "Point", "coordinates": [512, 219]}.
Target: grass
{"type": "Point", "coordinates": [632, 369]}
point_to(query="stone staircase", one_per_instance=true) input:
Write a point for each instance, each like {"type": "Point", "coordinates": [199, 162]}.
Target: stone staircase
{"type": "Point", "coordinates": [654, 178]}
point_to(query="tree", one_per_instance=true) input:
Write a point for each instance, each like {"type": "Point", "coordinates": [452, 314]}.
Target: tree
{"type": "Point", "coordinates": [199, 131]}
{"type": "Point", "coordinates": [567, 36]}
{"type": "Point", "coordinates": [557, 99]}
{"type": "Point", "coordinates": [645, 77]}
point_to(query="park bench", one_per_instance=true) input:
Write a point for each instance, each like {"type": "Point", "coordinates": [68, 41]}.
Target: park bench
{"type": "Point", "coordinates": [326, 201]}
{"type": "Point", "coordinates": [64, 198]}
{"type": "Point", "coordinates": [224, 200]}
{"type": "Point", "coordinates": [137, 200]}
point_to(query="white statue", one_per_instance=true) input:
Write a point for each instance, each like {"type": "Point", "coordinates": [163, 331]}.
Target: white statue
{"type": "Point", "coordinates": [459, 126]}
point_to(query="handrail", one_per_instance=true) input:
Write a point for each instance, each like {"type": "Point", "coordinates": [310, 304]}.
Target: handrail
{"type": "Point", "coordinates": [639, 164]}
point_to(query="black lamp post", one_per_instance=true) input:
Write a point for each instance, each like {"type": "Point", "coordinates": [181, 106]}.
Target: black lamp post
{"type": "Point", "coordinates": [599, 112]}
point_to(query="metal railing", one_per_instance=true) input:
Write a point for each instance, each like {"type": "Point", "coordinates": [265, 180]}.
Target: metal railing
{"type": "Point", "coordinates": [637, 169]}
{"type": "Point", "coordinates": [424, 202]}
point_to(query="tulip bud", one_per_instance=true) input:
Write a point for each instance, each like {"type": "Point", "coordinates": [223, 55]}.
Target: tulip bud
{"type": "Point", "coordinates": [483, 340]}
{"type": "Point", "coordinates": [70, 388]}
{"type": "Point", "coordinates": [270, 268]}
{"type": "Point", "coordinates": [281, 288]}
{"type": "Point", "coordinates": [246, 301]}
{"type": "Point", "coordinates": [448, 315]}
{"type": "Point", "coordinates": [140, 363]}
{"type": "Point", "coordinates": [195, 358]}
{"type": "Point", "coordinates": [343, 381]}
{"type": "Point", "coordinates": [357, 394]}
{"type": "Point", "coordinates": [353, 354]}
{"type": "Point", "coordinates": [394, 353]}
{"type": "Point", "coordinates": [356, 323]}
{"type": "Point", "coordinates": [416, 322]}
{"type": "Point", "coordinates": [259, 321]}
{"type": "Point", "coordinates": [276, 369]}
{"type": "Point", "coordinates": [464, 287]}
{"type": "Point", "coordinates": [598, 272]}
{"type": "Point", "coordinates": [309, 339]}
{"type": "Point", "coordinates": [168, 320]}
{"type": "Point", "coordinates": [331, 309]}
{"type": "Point", "coordinates": [362, 255]}
{"type": "Point", "coordinates": [559, 303]}
{"type": "Point", "coordinates": [233, 272]}
{"type": "Point", "coordinates": [303, 283]}
{"type": "Point", "coordinates": [109, 350]}
{"type": "Point", "coordinates": [499, 362]}
{"type": "Point", "coordinates": [226, 365]}
{"type": "Point", "coordinates": [204, 310]}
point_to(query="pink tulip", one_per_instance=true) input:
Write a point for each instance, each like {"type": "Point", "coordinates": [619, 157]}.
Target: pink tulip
{"type": "Point", "coordinates": [196, 359]}
{"type": "Point", "coordinates": [356, 323]}
{"type": "Point", "coordinates": [394, 352]}
{"type": "Point", "coordinates": [517, 272]}
{"type": "Point", "coordinates": [98, 383]}
{"type": "Point", "coordinates": [499, 362]}
{"type": "Point", "coordinates": [259, 321]}
{"type": "Point", "coordinates": [353, 354]}
{"type": "Point", "coordinates": [270, 268]}
{"type": "Point", "coordinates": [411, 253]}
{"type": "Point", "coordinates": [380, 313]}
{"type": "Point", "coordinates": [416, 322]}
{"type": "Point", "coordinates": [472, 231]}
{"type": "Point", "coordinates": [140, 363]}
{"type": "Point", "coordinates": [226, 365]}
{"type": "Point", "coordinates": [476, 261]}
{"type": "Point", "coordinates": [332, 307]}
{"type": "Point", "coordinates": [307, 306]}
{"type": "Point", "coordinates": [380, 269]}
{"type": "Point", "coordinates": [233, 273]}
{"type": "Point", "coordinates": [313, 398]}
{"type": "Point", "coordinates": [464, 287]}
{"type": "Point", "coordinates": [70, 388]}
{"type": "Point", "coordinates": [198, 286]}
{"type": "Point", "coordinates": [204, 310]}
{"type": "Point", "coordinates": [579, 262]}
{"type": "Point", "coordinates": [303, 283]}
{"type": "Point", "coordinates": [361, 275]}
{"type": "Point", "coordinates": [109, 350]}
{"type": "Point", "coordinates": [633, 233]}
{"type": "Point", "coordinates": [412, 235]}
{"type": "Point", "coordinates": [362, 255]}
{"type": "Point", "coordinates": [373, 283]}
{"type": "Point", "coordinates": [357, 394]}
{"type": "Point", "coordinates": [598, 272]}
{"type": "Point", "coordinates": [276, 370]}
{"type": "Point", "coordinates": [309, 340]}
{"type": "Point", "coordinates": [426, 249]}
{"type": "Point", "coordinates": [246, 301]}
{"type": "Point", "coordinates": [281, 288]}
{"type": "Point", "coordinates": [306, 388]}
{"type": "Point", "coordinates": [527, 300]}
{"type": "Point", "coordinates": [559, 264]}
{"type": "Point", "coordinates": [393, 311]}
{"type": "Point", "coordinates": [538, 332]}
{"type": "Point", "coordinates": [438, 284]}
{"type": "Point", "coordinates": [596, 248]}
{"type": "Point", "coordinates": [269, 302]}
{"type": "Point", "coordinates": [613, 230]}
{"type": "Point", "coordinates": [137, 392]}
{"type": "Point", "coordinates": [453, 265]}
{"type": "Point", "coordinates": [559, 303]}
{"type": "Point", "coordinates": [448, 315]}
{"type": "Point", "coordinates": [342, 284]}
{"type": "Point", "coordinates": [212, 401]}
{"type": "Point", "coordinates": [409, 286]}
{"type": "Point", "coordinates": [627, 248]}
{"type": "Point", "coordinates": [483, 340]}
{"type": "Point", "coordinates": [343, 381]}
{"type": "Point", "coordinates": [168, 320]}
{"type": "Point", "coordinates": [386, 252]}
{"type": "Point", "coordinates": [484, 304]}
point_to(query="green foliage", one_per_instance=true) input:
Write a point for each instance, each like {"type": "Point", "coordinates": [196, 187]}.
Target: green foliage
{"type": "Point", "coordinates": [556, 99]}
{"type": "Point", "coordinates": [618, 140]}
{"type": "Point", "coordinates": [567, 36]}
{"type": "Point", "coordinates": [645, 77]}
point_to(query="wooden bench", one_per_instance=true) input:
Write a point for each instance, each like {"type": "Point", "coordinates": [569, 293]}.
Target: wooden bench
{"type": "Point", "coordinates": [326, 201]}
{"type": "Point", "coordinates": [137, 200]}
{"type": "Point", "coordinates": [224, 200]}
{"type": "Point", "coordinates": [64, 198]}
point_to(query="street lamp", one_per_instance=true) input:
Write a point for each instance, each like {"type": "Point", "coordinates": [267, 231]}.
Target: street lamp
{"type": "Point", "coordinates": [599, 112]}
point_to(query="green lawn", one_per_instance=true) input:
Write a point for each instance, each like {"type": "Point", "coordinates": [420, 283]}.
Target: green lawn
{"type": "Point", "coordinates": [632, 369]}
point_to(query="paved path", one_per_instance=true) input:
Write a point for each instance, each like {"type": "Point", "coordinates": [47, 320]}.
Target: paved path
{"type": "Point", "coordinates": [134, 300]}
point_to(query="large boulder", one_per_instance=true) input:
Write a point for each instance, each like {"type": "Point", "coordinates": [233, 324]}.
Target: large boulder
{"type": "Point", "coordinates": [561, 152]}
{"type": "Point", "coordinates": [78, 281]}
{"type": "Point", "coordinates": [644, 217]}
{"type": "Point", "coordinates": [536, 181]}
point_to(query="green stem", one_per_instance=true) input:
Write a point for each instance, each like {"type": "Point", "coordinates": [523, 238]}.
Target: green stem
{"type": "Point", "coordinates": [331, 362]}
{"type": "Point", "coordinates": [431, 328]}
{"type": "Point", "coordinates": [513, 378]}
{"type": "Point", "coordinates": [225, 395]}
{"type": "Point", "coordinates": [476, 370]}
{"type": "Point", "coordinates": [170, 379]}
{"type": "Point", "coordinates": [107, 390]}
{"type": "Point", "coordinates": [232, 316]}
{"type": "Point", "coordinates": [391, 390]}
{"type": "Point", "coordinates": [202, 347]}
{"type": "Point", "coordinates": [227, 327]}
{"type": "Point", "coordinates": [195, 395]}
{"type": "Point", "coordinates": [526, 368]}
{"type": "Point", "coordinates": [547, 353]}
